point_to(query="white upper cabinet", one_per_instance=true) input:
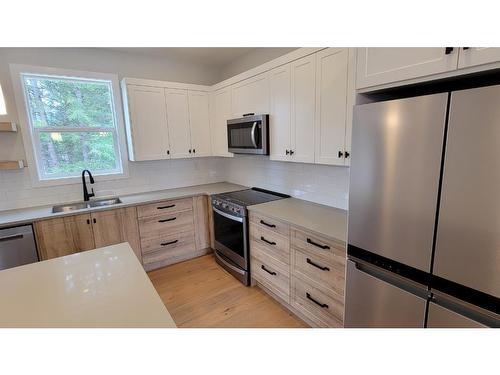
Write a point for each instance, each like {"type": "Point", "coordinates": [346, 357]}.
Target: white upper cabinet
{"type": "Point", "coordinates": [178, 122]}
{"type": "Point", "coordinates": [251, 96]}
{"type": "Point", "coordinates": [146, 121]}
{"type": "Point", "coordinates": [331, 105]}
{"type": "Point", "coordinates": [220, 112]}
{"type": "Point", "coordinates": [303, 75]}
{"type": "Point", "coordinates": [377, 66]}
{"type": "Point", "coordinates": [280, 113]}
{"type": "Point", "coordinates": [474, 56]}
{"type": "Point", "coordinates": [199, 123]}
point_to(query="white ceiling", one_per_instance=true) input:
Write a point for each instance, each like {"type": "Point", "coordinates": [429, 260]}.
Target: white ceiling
{"type": "Point", "coordinates": [211, 56]}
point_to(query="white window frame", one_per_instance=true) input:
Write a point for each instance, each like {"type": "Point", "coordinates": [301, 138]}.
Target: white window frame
{"type": "Point", "coordinates": [29, 133]}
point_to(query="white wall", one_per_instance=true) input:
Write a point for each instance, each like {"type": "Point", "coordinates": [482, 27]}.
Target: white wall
{"type": "Point", "coordinates": [252, 59]}
{"type": "Point", "coordinates": [316, 183]}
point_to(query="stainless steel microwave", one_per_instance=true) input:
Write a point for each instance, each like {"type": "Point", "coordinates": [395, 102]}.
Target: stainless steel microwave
{"type": "Point", "coordinates": [248, 135]}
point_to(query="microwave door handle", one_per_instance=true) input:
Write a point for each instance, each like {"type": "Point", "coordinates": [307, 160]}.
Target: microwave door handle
{"type": "Point", "coordinates": [254, 126]}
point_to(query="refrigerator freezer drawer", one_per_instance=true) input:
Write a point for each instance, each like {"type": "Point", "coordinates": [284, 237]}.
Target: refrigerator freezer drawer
{"type": "Point", "coordinates": [440, 317]}
{"type": "Point", "coordinates": [395, 167]}
{"type": "Point", "coordinates": [374, 303]}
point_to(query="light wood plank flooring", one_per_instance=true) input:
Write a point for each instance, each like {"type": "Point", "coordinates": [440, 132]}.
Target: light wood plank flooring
{"type": "Point", "coordinates": [199, 293]}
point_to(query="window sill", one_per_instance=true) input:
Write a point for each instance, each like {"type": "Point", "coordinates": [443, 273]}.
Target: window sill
{"type": "Point", "coordinates": [78, 179]}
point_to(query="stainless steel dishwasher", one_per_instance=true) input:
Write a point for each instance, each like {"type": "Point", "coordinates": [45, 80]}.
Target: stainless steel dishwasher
{"type": "Point", "coordinates": [17, 246]}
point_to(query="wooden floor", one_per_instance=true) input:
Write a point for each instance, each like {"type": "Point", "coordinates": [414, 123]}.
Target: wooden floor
{"type": "Point", "coordinates": [200, 293]}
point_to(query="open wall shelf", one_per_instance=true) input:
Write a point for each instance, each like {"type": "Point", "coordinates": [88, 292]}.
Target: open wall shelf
{"type": "Point", "coordinates": [11, 164]}
{"type": "Point", "coordinates": [8, 127]}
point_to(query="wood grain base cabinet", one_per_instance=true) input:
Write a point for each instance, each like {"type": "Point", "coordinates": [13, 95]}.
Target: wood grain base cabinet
{"type": "Point", "coordinates": [73, 234]}
{"type": "Point", "coordinates": [303, 271]}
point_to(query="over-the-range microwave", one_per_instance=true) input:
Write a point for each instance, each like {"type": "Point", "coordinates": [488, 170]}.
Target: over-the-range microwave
{"type": "Point", "coordinates": [248, 135]}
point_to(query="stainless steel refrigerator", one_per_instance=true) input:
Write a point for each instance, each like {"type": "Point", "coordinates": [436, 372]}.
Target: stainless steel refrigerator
{"type": "Point", "coordinates": [424, 212]}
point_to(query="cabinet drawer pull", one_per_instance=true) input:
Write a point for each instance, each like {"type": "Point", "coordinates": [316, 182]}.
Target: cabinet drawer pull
{"type": "Point", "coordinates": [448, 50]}
{"type": "Point", "coordinates": [267, 224]}
{"type": "Point", "coordinates": [322, 305]}
{"type": "Point", "coordinates": [317, 265]}
{"type": "Point", "coordinates": [269, 272]}
{"type": "Point", "coordinates": [267, 241]}
{"type": "Point", "coordinates": [324, 247]}
{"type": "Point", "coordinates": [163, 207]}
{"type": "Point", "coordinates": [164, 220]}
{"type": "Point", "coordinates": [169, 243]}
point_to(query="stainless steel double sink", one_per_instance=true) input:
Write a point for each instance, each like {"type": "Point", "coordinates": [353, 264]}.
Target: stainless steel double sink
{"type": "Point", "coordinates": [69, 207]}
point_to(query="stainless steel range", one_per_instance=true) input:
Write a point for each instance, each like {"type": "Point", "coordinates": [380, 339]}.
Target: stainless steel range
{"type": "Point", "coordinates": [231, 228]}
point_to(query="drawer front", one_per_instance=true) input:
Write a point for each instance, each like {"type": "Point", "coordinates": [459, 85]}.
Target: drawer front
{"type": "Point", "coordinates": [155, 255]}
{"type": "Point", "coordinates": [272, 274]}
{"type": "Point", "coordinates": [165, 207]}
{"type": "Point", "coordinates": [317, 270]}
{"type": "Point", "coordinates": [323, 307]}
{"type": "Point", "coordinates": [317, 245]}
{"type": "Point", "coordinates": [277, 245]}
{"type": "Point", "coordinates": [158, 226]}
{"type": "Point", "coordinates": [270, 224]}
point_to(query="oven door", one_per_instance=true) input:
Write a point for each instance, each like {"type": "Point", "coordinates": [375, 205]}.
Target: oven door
{"type": "Point", "coordinates": [248, 135]}
{"type": "Point", "coordinates": [230, 234]}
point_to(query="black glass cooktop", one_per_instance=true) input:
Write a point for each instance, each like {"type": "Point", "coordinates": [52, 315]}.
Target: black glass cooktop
{"type": "Point", "coordinates": [252, 196]}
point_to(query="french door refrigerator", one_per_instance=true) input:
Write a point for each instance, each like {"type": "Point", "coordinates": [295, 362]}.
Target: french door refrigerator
{"type": "Point", "coordinates": [424, 212]}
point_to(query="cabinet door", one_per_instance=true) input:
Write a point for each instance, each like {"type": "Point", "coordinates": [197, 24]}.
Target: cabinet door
{"type": "Point", "coordinates": [473, 56]}
{"type": "Point", "coordinates": [303, 109]}
{"type": "Point", "coordinates": [147, 131]}
{"type": "Point", "coordinates": [279, 115]}
{"type": "Point", "coordinates": [199, 123]}
{"type": "Point", "coordinates": [178, 123]}
{"type": "Point", "coordinates": [331, 105]}
{"type": "Point", "coordinates": [251, 96]}
{"type": "Point", "coordinates": [220, 112]}
{"type": "Point", "coordinates": [64, 236]}
{"type": "Point", "coordinates": [377, 66]}
{"type": "Point", "coordinates": [117, 226]}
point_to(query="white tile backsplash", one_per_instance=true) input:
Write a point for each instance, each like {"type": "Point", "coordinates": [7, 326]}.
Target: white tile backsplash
{"type": "Point", "coordinates": [322, 184]}
{"type": "Point", "coordinates": [317, 183]}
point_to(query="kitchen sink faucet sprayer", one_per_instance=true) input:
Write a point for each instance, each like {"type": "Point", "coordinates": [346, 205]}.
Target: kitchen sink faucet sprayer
{"type": "Point", "coordinates": [86, 194]}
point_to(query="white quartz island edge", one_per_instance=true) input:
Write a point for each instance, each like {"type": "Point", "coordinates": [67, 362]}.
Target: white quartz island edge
{"type": "Point", "coordinates": [101, 288]}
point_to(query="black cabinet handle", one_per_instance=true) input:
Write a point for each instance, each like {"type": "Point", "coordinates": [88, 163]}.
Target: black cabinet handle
{"type": "Point", "coordinates": [165, 220]}
{"type": "Point", "coordinates": [291, 152]}
{"type": "Point", "coordinates": [248, 114]}
{"type": "Point", "coordinates": [340, 154]}
{"type": "Point", "coordinates": [88, 221]}
{"type": "Point", "coordinates": [267, 224]}
{"type": "Point", "coordinates": [189, 150]}
{"type": "Point", "coordinates": [324, 247]}
{"type": "Point", "coordinates": [168, 152]}
{"type": "Point", "coordinates": [448, 50]}
{"type": "Point", "coordinates": [169, 243]}
{"type": "Point", "coordinates": [287, 152]}
{"type": "Point", "coordinates": [347, 154]}
{"type": "Point", "coordinates": [194, 151]}
{"type": "Point", "coordinates": [465, 48]}
{"type": "Point", "coordinates": [322, 305]}
{"type": "Point", "coordinates": [94, 220]}
{"type": "Point", "coordinates": [317, 265]}
{"type": "Point", "coordinates": [163, 207]}
{"type": "Point", "coordinates": [267, 241]}
{"type": "Point", "coordinates": [269, 272]}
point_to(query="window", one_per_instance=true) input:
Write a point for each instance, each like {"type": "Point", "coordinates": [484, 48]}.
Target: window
{"type": "Point", "coordinates": [73, 125]}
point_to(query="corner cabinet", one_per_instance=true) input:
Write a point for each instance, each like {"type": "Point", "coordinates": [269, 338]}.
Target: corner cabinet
{"type": "Point", "coordinates": [378, 66]}
{"type": "Point", "coordinates": [166, 120]}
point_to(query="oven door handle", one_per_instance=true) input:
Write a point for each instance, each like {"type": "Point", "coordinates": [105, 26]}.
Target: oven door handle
{"type": "Point", "coordinates": [229, 265]}
{"type": "Point", "coordinates": [254, 141]}
{"type": "Point", "coordinates": [235, 218]}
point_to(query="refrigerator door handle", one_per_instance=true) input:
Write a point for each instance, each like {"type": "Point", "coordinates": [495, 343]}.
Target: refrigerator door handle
{"type": "Point", "coordinates": [392, 278]}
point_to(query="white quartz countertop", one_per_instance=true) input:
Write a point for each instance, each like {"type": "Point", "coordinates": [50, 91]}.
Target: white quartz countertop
{"type": "Point", "coordinates": [324, 220]}
{"type": "Point", "coordinates": [28, 215]}
{"type": "Point", "coordinates": [100, 288]}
